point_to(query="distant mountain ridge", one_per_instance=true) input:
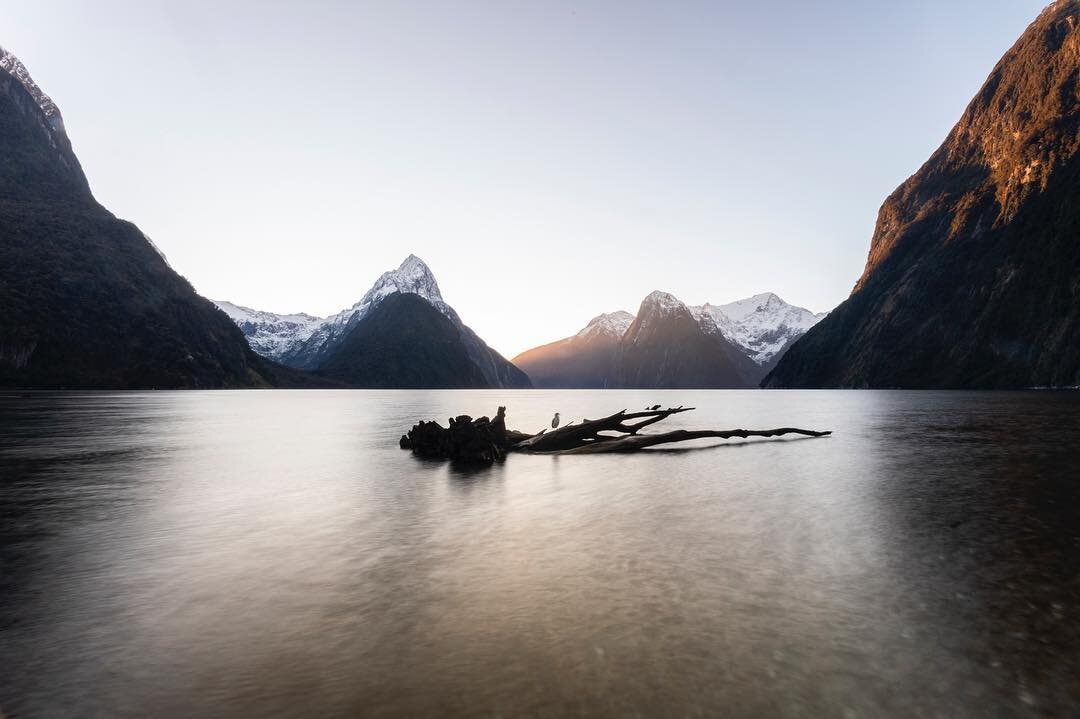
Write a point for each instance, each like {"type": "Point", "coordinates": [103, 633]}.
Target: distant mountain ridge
{"type": "Point", "coordinates": [973, 275]}
{"type": "Point", "coordinates": [759, 328]}
{"type": "Point", "coordinates": [317, 343]}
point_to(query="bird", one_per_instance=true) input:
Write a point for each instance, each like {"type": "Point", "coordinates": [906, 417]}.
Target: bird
{"type": "Point", "coordinates": [555, 421]}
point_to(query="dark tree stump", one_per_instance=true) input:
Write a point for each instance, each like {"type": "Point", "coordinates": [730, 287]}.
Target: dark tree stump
{"type": "Point", "coordinates": [465, 440]}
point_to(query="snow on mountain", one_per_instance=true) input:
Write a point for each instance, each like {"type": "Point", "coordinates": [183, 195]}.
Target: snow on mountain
{"type": "Point", "coordinates": [613, 324]}
{"type": "Point", "coordinates": [659, 305]}
{"type": "Point", "coordinates": [411, 276]}
{"type": "Point", "coordinates": [583, 360]}
{"type": "Point", "coordinates": [269, 334]}
{"type": "Point", "coordinates": [662, 302]}
{"type": "Point", "coordinates": [763, 325]}
{"type": "Point", "coordinates": [288, 337]}
{"type": "Point", "coordinates": [667, 346]}
{"type": "Point", "coordinates": [306, 342]}
{"type": "Point", "coordinates": [14, 67]}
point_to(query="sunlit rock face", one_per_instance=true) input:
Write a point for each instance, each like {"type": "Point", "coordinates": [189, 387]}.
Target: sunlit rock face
{"type": "Point", "coordinates": [973, 275]}
{"type": "Point", "coordinates": [585, 360]}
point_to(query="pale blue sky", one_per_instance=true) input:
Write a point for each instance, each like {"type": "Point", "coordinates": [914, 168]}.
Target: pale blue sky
{"type": "Point", "coordinates": [549, 160]}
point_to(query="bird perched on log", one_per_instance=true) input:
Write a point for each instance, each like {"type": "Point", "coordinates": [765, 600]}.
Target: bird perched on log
{"type": "Point", "coordinates": [555, 421]}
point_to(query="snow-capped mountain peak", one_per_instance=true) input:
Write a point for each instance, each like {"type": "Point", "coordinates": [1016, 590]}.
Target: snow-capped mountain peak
{"type": "Point", "coordinates": [307, 342]}
{"type": "Point", "coordinates": [763, 325]}
{"type": "Point", "coordinates": [284, 337]}
{"type": "Point", "coordinates": [412, 276]}
{"type": "Point", "coordinates": [662, 302]}
{"type": "Point", "coordinates": [14, 67]}
{"type": "Point", "coordinates": [658, 307]}
{"type": "Point", "coordinates": [614, 324]}
{"type": "Point", "coordinates": [764, 302]}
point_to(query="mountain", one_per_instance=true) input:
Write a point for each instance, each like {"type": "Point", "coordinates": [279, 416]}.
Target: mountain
{"type": "Point", "coordinates": [666, 346]}
{"type": "Point", "coordinates": [14, 67]}
{"type": "Point", "coordinates": [322, 345]}
{"type": "Point", "coordinates": [88, 301]}
{"type": "Point", "coordinates": [404, 342]}
{"type": "Point", "coordinates": [762, 327]}
{"type": "Point", "coordinates": [270, 335]}
{"type": "Point", "coordinates": [312, 349]}
{"type": "Point", "coordinates": [973, 275]}
{"type": "Point", "coordinates": [304, 341]}
{"type": "Point", "coordinates": [585, 360]}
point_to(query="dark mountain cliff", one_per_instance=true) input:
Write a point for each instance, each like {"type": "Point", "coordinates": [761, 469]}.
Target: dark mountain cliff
{"type": "Point", "coordinates": [404, 343]}
{"type": "Point", "coordinates": [973, 275]}
{"type": "Point", "coordinates": [87, 301]}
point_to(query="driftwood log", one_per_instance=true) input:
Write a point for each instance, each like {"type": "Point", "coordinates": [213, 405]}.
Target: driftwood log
{"type": "Point", "coordinates": [479, 441]}
{"type": "Point", "coordinates": [487, 440]}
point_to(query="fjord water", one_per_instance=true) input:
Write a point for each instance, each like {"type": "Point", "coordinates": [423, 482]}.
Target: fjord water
{"type": "Point", "coordinates": [275, 554]}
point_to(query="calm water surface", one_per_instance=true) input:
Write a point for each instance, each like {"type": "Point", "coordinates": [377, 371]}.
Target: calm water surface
{"type": "Point", "coordinates": [241, 554]}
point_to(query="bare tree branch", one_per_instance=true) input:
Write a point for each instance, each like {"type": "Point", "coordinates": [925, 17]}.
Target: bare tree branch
{"type": "Point", "coordinates": [633, 443]}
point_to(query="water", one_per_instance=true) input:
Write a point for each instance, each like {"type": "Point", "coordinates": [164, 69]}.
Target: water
{"type": "Point", "coordinates": [241, 554]}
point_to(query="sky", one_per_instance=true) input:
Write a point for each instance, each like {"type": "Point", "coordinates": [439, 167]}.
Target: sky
{"type": "Point", "coordinates": [549, 160]}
